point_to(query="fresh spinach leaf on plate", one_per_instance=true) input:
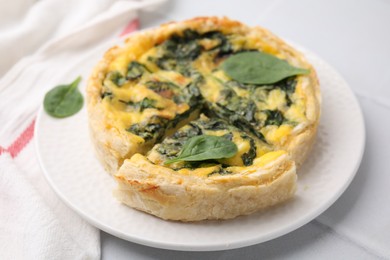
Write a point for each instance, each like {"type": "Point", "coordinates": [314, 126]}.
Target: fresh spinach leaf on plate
{"type": "Point", "coordinates": [64, 100]}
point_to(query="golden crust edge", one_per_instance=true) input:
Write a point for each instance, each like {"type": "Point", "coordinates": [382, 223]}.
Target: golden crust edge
{"type": "Point", "coordinates": [172, 196]}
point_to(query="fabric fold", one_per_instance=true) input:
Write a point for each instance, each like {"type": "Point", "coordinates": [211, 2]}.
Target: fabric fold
{"type": "Point", "coordinates": [34, 222]}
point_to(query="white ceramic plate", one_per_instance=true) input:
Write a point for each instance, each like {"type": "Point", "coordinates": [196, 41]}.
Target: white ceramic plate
{"type": "Point", "coordinates": [67, 159]}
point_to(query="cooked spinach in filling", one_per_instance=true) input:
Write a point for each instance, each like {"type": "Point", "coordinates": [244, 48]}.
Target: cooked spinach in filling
{"type": "Point", "coordinates": [183, 75]}
{"type": "Point", "coordinates": [247, 143]}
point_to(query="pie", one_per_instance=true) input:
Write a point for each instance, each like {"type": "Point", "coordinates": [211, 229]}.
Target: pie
{"type": "Point", "coordinates": [149, 99]}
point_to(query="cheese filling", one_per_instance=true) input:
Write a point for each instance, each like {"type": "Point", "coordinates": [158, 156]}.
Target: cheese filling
{"type": "Point", "coordinates": [149, 91]}
{"type": "Point", "coordinates": [249, 147]}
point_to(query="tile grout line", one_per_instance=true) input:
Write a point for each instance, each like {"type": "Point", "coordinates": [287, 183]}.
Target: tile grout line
{"type": "Point", "coordinates": [347, 239]}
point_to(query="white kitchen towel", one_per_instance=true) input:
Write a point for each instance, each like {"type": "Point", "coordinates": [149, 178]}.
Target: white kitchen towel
{"type": "Point", "coordinates": [34, 223]}
{"type": "Point", "coordinates": [25, 25]}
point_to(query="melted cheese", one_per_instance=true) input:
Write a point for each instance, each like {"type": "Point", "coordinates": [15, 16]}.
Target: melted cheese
{"type": "Point", "coordinates": [172, 76]}
{"type": "Point", "coordinates": [200, 172]}
{"type": "Point", "coordinates": [277, 135]}
{"type": "Point", "coordinates": [120, 64]}
{"type": "Point", "coordinates": [296, 113]}
{"type": "Point", "coordinates": [122, 115]}
{"type": "Point", "coordinates": [213, 170]}
{"type": "Point", "coordinates": [123, 119]}
{"type": "Point", "coordinates": [211, 89]}
{"type": "Point", "coordinates": [204, 64]}
{"type": "Point", "coordinates": [144, 59]}
{"type": "Point", "coordinates": [208, 44]}
{"type": "Point", "coordinates": [268, 157]}
{"type": "Point", "coordinates": [129, 52]}
{"type": "Point", "coordinates": [221, 75]}
{"type": "Point", "coordinates": [239, 41]}
{"type": "Point", "coordinates": [276, 99]}
{"type": "Point", "coordinates": [243, 146]}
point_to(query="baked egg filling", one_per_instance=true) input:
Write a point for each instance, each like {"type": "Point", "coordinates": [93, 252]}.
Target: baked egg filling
{"type": "Point", "coordinates": [158, 92]}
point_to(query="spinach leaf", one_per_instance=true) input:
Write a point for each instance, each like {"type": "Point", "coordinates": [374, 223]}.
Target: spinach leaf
{"type": "Point", "coordinates": [182, 48]}
{"type": "Point", "coordinates": [241, 106]}
{"type": "Point", "coordinates": [224, 47]}
{"type": "Point", "coordinates": [258, 68]}
{"type": "Point", "coordinates": [220, 111]}
{"type": "Point", "coordinates": [116, 77]}
{"type": "Point", "coordinates": [287, 85]}
{"type": "Point", "coordinates": [147, 103]}
{"type": "Point", "coordinates": [178, 53]}
{"type": "Point", "coordinates": [153, 130]}
{"type": "Point", "coordinates": [274, 117]}
{"type": "Point", "coordinates": [164, 89]}
{"type": "Point", "coordinates": [141, 105]}
{"type": "Point", "coordinates": [248, 157]}
{"type": "Point", "coordinates": [107, 94]}
{"type": "Point", "coordinates": [215, 124]}
{"type": "Point", "coordinates": [135, 70]}
{"type": "Point", "coordinates": [173, 145]}
{"type": "Point", "coordinates": [64, 100]}
{"type": "Point", "coordinates": [158, 86]}
{"type": "Point", "coordinates": [205, 147]}
{"type": "Point", "coordinates": [166, 63]}
{"type": "Point", "coordinates": [148, 132]}
{"type": "Point", "coordinates": [220, 171]}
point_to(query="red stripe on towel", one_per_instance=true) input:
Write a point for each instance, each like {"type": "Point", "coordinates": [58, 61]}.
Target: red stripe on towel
{"type": "Point", "coordinates": [23, 139]}
{"type": "Point", "coordinates": [132, 26]}
{"type": "Point", "coordinates": [2, 150]}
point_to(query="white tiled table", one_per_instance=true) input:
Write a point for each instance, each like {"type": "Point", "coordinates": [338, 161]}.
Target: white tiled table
{"type": "Point", "coordinates": [354, 37]}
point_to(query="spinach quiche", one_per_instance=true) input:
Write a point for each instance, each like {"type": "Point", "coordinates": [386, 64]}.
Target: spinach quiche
{"type": "Point", "coordinates": [203, 119]}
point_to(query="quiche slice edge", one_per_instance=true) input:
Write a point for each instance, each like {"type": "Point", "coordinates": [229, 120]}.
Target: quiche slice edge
{"type": "Point", "coordinates": [162, 192]}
